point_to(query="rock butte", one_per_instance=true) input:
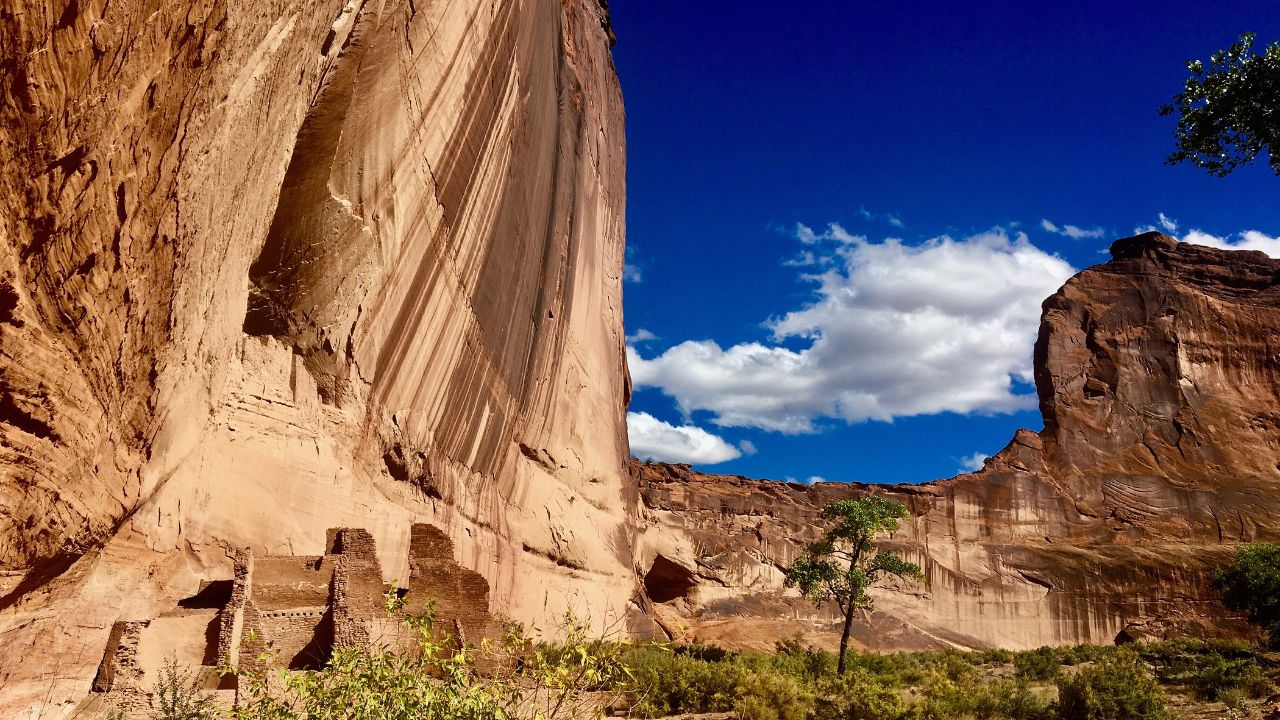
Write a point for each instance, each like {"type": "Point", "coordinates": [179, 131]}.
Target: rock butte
{"type": "Point", "coordinates": [270, 268]}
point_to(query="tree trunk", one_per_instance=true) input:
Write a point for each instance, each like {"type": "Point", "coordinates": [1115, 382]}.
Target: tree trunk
{"type": "Point", "coordinates": [844, 636]}
{"type": "Point", "coordinates": [848, 610]}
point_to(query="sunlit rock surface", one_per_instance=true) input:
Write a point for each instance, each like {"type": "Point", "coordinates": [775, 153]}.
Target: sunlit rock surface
{"type": "Point", "coordinates": [271, 267]}
{"type": "Point", "coordinates": [1159, 381]}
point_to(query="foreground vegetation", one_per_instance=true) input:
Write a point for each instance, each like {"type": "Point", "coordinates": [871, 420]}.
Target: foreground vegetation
{"type": "Point", "coordinates": [1076, 683]}
{"type": "Point", "coordinates": [583, 678]}
{"type": "Point", "coordinates": [431, 678]}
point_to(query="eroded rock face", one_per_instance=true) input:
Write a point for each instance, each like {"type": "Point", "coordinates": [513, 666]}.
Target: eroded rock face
{"type": "Point", "coordinates": [272, 267]}
{"type": "Point", "coordinates": [1160, 388]}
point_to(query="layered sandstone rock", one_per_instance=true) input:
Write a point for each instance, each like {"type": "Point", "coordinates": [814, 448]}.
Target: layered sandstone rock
{"type": "Point", "coordinates": [1159, 383]}
{"type": "Point", "coordinates": [272, 267]}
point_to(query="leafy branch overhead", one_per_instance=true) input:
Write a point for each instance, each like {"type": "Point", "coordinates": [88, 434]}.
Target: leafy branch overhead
{"type": "Point", "coordinates": [1229, 111]}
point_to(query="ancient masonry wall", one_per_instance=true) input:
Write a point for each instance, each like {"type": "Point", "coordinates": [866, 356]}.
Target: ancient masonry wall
{"type": "Point", "coordinates": [460, 596]}
{"type": "Point", "coordinates": [291, 611]}
{"type": "Point", "coordinates": [357, 586]}
{"type": "Point", "coordinates": [121, 673]}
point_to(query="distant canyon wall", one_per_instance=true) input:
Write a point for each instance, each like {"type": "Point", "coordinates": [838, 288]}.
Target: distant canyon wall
{"type": "Point", "coordinates": [1159, 384]}
{"type": "Point", "coordinates": [269, 268]}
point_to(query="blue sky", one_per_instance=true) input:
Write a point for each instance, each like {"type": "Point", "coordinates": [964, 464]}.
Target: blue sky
{"type": "Point", "coordinates": [775, 148]}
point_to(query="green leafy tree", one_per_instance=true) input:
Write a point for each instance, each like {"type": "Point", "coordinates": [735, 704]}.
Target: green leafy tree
{"type": "Point", "coordinates": [844, 563]}
{"type": "Point", "coordinates": [1229, 110]}
{"type": "Point", "coordinates": [1252, 584]}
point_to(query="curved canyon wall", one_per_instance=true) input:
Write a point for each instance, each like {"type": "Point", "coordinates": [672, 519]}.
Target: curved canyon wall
{"type": "Point", "coordinates": [1160, 390]}
{"type": "Point", "coordinates": [269, 268]}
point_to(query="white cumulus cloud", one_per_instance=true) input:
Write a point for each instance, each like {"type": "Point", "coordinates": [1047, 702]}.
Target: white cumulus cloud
{"type": "Point", "coordinates": [748, 448]}
{"type": "Point", "coordinates": [1247, 240]}
{"type": "Point", "coordinates": [1072, 231]}
{"type": "Point", "coordinates": [895, 330]}
{"type": "Point", "coordinates": [653, 439]}
{"type": "Point", "coordinates": [974, 462]}
{"type": "Point", "coordinates": [641, 336]}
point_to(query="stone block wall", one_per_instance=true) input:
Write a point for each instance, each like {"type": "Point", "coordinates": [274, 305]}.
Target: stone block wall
{"type": "Point", "coordinates": [290, 611]}
{"type": "Point", "coordinates": [357, 590]}
{"type": "Point", "coordinates": [121, 674]}
{"type": "Point", "coordinates": [460, 596]}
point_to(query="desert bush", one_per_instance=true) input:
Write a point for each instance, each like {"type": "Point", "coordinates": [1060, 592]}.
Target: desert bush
{"type": "Point", "coordinates": [1208, 667]}
{"type": "Point", "coordinates": [895, 668]}
{"type": "Point", "coordinates": [1081, 654]}
{"type": "Point", "coordinates": [798, 659]}
{"type": "Point", "coordinates": [180, 694]}
{"type": "Point", "coordinates": [1041, 664]}
{"type": "Point", "coordinates": [767, 694]}
{"type": "Point", "coordinates": [667, 683]}
{"type": "Point", "coordinates": [1118, 687]}
{"type": "Point", "coordinates": [795, 659]}
{"type": "Point", "coordinates": [701, 651]}
{"type": "Point", "coordinates": [943, 697]}
{"type": "Point", "coordinates": [858, 695]}
{"type": "Point", "coordinates": [1234, 698]}
{"type": "Point", "coordinates": [1016, 701]}
{"type": "Point", "coordinates": [992, 656]}
{"type": "Point", "coordinates": [1216, 675]}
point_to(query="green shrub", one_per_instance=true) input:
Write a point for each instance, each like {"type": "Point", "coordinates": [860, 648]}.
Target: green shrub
{"type": "Point", "coordinates": [943, 697]}
{"type": "Point", "coordinates": [1039, 665]}
{"type": "Point", "coordinates": [771, 695]}
{"type": "Point", "coordinates": [858, 695]}
{"type": "Point", "coordinates": [180, 694]}
{"type": "Point", "coordinates": [1233, 698]}
{"type": "Point", "coordinates": [797, 659]}
{"type": "Point", "coordinates": [1217, 675]}
{"type": "Point", "coordinates": [1208, 667]}
{"type": "Point", "coordinates": [1081, 654]}
{"type": "Point", "coordinates": [669, 684]}
{"type": "Point", "coordinates": [1118, 687]}
{"type": "Point", "coordinates": [1016, 701]}
{"type": "Point", "coordinates": [1252, 584]}
{"type": "Point", "coordinates": [700, 651]}
{"type": "Point", "coordinates": [993, 656]}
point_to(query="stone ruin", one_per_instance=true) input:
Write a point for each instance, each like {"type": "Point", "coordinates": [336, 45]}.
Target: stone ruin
{"type": "Point", "coordinates": [293, 609]}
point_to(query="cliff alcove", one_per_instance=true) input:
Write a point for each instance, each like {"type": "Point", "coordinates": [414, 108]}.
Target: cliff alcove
{"type": "Point", "coordinates": [667, 581]}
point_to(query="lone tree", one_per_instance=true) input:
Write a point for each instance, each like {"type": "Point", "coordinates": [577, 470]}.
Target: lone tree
{"type": "Point", "coordinates": [1252, 584]}
{"type": "Point", "coordinates": [1229, 111]}
{"type": "Point", "coordinates": [843, 564]}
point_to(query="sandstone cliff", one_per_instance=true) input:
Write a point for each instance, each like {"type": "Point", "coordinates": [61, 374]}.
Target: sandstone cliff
{"type": "Point", "coordinates": [1160, 388]}
{"type": "Point", "coordinates": [268, 268]}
